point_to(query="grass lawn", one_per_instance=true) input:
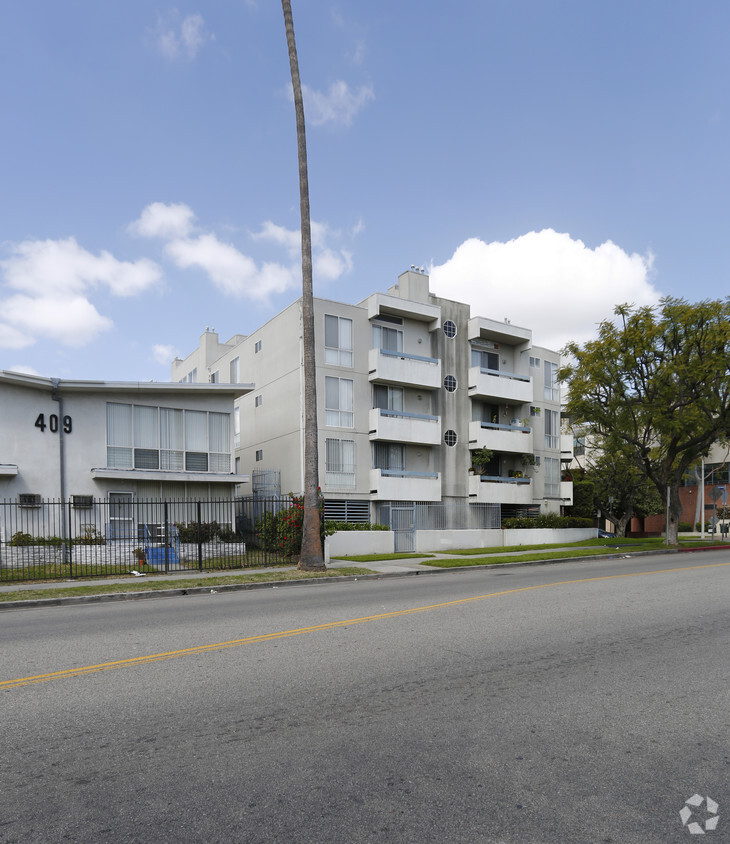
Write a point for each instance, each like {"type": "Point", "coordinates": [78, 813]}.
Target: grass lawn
{"type": "Point", "coordinates": [496, 558]}
{"type": "Point", "coordinates": [372, 558]}
{"type": "Point", "coordinates": [157, 583]}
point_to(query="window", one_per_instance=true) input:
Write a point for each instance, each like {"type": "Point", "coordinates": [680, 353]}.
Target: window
{"type": "Point", "coordinates": [337, 340]}
{"type": "Point", "coordinates": [450, 383]}
{"type": "Point", "coordinates": [257, 347]}
{"type": "Point", "coordinates": [258, 400]}
{"type": "Point", "coordinates": [238, 465]}
{"type": "Point", "coordinates": [552, 477]}
{"type": "Point", "coordinates": [552, 429]}
{"type": "Point", "coordinates": [146, 438]}
{"type": "Point", "coordinates": [233, 371]}
{"type": "Point", "coordinates": [259, 455]}
{"type": "Point", "coordinates": [551, 380]}
{"type": "Point", "coordinates": [450, 328]}
{"type": "Point", "coordinates": [167, 438]}
{"type": "Point", "coordinates": [236, 427]}
{"type": "Point", "coordinates": [193, 376]}
{"type": "Point", "coordinates": [340, 463]}
{"type": "Point", "coordinates": [29, 499]}
{"type": "Point", "coordinates": [485, 360]}
{"type": "Point", "coordinates": [215, 377]}
{"type": "Point", "coordinates": [535, 362]}
{"type": "Point", "coordinates": [388, 398]}
{"type": "Point", "coordinates": [450, 438]}
{"type": "Point", "coordinates": [387, 339]}
{"type": "Point", "coordinates": [338, 402]}
{"type": "Point", "coordinates": [535, 411]}
{"type": "Point", "coordinates": [391, 456]}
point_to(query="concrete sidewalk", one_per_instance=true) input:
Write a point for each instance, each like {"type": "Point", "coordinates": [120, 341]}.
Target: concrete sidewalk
{"type": "Point", "coordinates": [378, 566]}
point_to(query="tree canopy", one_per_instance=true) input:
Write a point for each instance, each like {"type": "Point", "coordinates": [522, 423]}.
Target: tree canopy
{"type": "Point", "coordinates": [657, 381]}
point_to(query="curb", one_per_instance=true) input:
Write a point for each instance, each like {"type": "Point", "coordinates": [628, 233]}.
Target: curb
{"type": "Point", "coordinates": [173, 592]}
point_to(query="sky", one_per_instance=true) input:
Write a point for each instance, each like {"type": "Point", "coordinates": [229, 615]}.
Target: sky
{"type": "Point", "coordinates": [543, 160]}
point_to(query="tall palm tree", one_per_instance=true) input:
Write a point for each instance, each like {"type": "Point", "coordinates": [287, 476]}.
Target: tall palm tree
{"type": "Point", "coordinates": [311, 557]}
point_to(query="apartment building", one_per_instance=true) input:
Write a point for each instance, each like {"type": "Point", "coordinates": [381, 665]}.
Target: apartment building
{"type": "Point", "coordinates": [409, 386]}
{"type": "Point", "coordinates": [119, 441]}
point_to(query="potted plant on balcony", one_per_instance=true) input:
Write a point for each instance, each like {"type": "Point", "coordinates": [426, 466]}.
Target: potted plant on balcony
{"type": "Point", "coordinates": [480, 458]}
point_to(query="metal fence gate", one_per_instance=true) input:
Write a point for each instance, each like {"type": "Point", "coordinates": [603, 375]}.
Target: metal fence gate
{"type": "Point", "coordinates": [403, 525]}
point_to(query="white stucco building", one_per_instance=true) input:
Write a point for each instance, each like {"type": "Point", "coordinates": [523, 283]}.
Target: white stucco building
{"type": "Point", "coordinates": [64, 439]}
{"type": "Point", "coordinates": [408, 386]}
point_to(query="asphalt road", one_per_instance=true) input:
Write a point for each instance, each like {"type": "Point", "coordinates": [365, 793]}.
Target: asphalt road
{"type": "Point", "coordinates": [577, 702]}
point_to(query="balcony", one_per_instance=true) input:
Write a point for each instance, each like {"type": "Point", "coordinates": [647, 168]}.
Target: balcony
{"type": "Point", "coordinates": [493, 489]}
{"type": "Point", "coordinates": [481, 328]}
{"type": "Point", "coordinates": [401, 485]}
{"type": "Point", "coordinates": [505, 386]}
{"type": "Point", "coordinates": [566, 493]}
{"type": "Point", "coordinates": [401, 427]}
{"type": "Point", "coordinates": [401, 368]}
{"type": "Point", "coordinates": [566, 448]}
{"type": "Point", "coordinates": [516, 439]}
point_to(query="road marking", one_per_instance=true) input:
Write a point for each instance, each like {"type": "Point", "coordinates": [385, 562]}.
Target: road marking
{"type": "Point", "coordinates": [329, 625]}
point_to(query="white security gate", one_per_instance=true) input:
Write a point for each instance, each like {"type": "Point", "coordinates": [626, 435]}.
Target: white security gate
{"type": "Point", "coordinates": [402, 523]}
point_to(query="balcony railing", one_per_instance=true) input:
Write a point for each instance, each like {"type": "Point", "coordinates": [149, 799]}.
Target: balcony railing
{"type": "Point", "coordinates": [404, 368]}
{"type": "Point", "coordinates": [495, 489]}
{"type": "Point", "coordinates": [404, 485]}
{"type": "Point", "coordinates": [403, 426]}
{"type": "Point", "coordinates": [514, 439]}
{"type": "Point", "coordinates": [500, 384]}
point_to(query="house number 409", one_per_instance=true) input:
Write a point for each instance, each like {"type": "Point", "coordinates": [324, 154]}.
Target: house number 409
{"type": "Point", "coordinates": [40, 423]}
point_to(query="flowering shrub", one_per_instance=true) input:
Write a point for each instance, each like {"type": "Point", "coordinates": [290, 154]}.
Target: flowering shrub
{"type": "Point", "coordinates": [282, 531]}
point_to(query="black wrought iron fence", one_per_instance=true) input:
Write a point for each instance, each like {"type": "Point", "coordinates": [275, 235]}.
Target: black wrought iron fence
{"type": "Point", "coordinates": [88, 537]}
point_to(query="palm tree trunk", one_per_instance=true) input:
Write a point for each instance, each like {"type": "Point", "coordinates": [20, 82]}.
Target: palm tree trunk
{"type": "Point", "coordinates": [311, 558]}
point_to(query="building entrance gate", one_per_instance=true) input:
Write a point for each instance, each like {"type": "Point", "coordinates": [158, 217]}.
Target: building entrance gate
{"type": "Point", "coordinates": [403, 525]}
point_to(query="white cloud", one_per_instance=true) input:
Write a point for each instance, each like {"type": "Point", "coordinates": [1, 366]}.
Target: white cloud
{"type": "Point", "coordinates": [59, 267]}
{"type": "Point", "coordinates": [164, 354]}
{"type": "Point", "coordinates": [288, 238]}
{"type": "Point", "coordinates": [71, 320]}
{"type": "Point", "coordinates": [174, 41]}
{"type": "Point", "coordinates": [339, 105]}
{"type": "Point", "coordinates": [23, 369]}
{"type": "Point", "coordinates": [546, 281]}
{"type": "Point", "coordinates": [164, 221]}
{"type": "Point", "coordinates": [13, 338]}
{"type": "Point", "coordinates": [233, 272]}
{"type": "Point", "coordinates": [329, 266]}
{"type": "Point", "coordinates": [52, 280]}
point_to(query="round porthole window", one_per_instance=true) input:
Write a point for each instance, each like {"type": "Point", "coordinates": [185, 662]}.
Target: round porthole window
{"type": "Point", "coordinates": [450, 328]}
{"type": "Point", "coordinates": [450, 383]}
{"type": "Point", "coordinates": [450, 438]}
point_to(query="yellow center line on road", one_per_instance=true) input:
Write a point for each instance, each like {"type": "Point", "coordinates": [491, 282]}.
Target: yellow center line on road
{"type": "Point", "coordinates": [330, 625]}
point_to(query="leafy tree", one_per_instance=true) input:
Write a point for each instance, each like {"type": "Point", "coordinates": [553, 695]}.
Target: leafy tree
{"type": "Point", "coordinates": [620, 488]}
{"type": "Point", "coordinates": [656, 381]}
{"type": "Point", "coordinates": [583, 504]}
{"type": "Point", "coordinates": [312, 558]}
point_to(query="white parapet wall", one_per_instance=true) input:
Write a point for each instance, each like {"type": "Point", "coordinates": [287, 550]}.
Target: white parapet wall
{"type": "Point", "coordinates": [348, 543]}
{"type": "Point", "coordinates": [448, 540]}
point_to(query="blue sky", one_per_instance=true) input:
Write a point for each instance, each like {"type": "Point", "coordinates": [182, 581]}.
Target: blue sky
{"type": "Point", "coordinates": [543, 160]}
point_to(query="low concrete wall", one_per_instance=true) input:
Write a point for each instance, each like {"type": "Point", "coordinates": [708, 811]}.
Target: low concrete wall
{"type": "Point", "coordinates": [352, 542]}
{"type": "Point", "coordinates": [448, 540]}
{"type": "Point", "coordinates": [347, 543]}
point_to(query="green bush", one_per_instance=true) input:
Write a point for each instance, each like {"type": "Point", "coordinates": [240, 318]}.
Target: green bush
{"type": "Point", "coordinates": [21, 538]}
{"type": "Point", "coordinates": [331, 526]}
{"type": "Point", "coordinates": [684, 527]}
{"type": "Point", "coordinates": [189, 533]}
{"type": "Point", "coordinates": [548, 520]}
